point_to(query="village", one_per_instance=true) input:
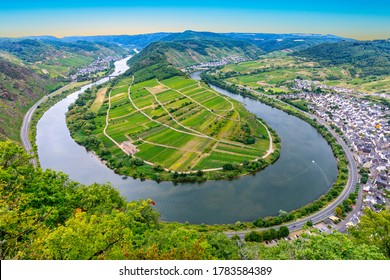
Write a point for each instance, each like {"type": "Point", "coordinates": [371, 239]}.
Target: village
{"type": "Point", "coordinates": [215, 63]}
{"type": "Point", "coordinates": [100, 64]}
{"type": "Point", "coordinates": [364, 126]}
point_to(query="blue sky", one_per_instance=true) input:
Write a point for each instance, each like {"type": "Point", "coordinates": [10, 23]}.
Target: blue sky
{"type": "Point", "coordinates": [356, 19]}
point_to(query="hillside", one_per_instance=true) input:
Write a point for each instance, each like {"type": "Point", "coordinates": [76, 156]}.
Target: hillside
{"type": "Point", "coordinates": [31, 68]}
{"type": "Point", "coordinates": [56, 58]}
{"type": "Point", "coordinates": [368, 57]}
{"type": "Point", "coordinates": [20, 87]}
{"type": "Point", "coordinates": [161, 59]}
{"type": "Point", "coordinates": [191, 48]}
{"type": "Point", "coordinates": [151, 63]}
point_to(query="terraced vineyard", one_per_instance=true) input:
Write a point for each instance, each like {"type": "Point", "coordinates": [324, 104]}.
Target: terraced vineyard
{"type": "Point", "coordinates": [179, 124]}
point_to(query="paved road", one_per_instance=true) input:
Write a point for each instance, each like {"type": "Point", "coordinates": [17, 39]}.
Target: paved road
{"type": "Point", "coordinates": [24, 130]}
{"type": "Point", "coordinates": [329, 209]}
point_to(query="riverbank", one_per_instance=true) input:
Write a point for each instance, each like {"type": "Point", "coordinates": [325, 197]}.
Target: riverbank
{"type": "Point", "coordinates": [45, 105]}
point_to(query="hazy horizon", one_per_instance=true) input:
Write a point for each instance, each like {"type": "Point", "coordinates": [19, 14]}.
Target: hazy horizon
{"type": "Point", "coordinates": [351, 19]}
{"type": "Point", "coordinates": [243, 32]}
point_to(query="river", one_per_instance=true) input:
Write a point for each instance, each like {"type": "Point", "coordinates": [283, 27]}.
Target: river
{"type": "Point", "coordinates": [305, 170]}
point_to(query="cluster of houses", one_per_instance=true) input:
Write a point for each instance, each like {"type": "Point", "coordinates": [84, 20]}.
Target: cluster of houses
{"type": "Point", "coordinates": [98, 65]}
{"type": "Point", "coordinates": [216, 63]}
{"type": "Point", "coordinates": [311, 86]}
{"type": "Point", "coordinates": [365, 127]}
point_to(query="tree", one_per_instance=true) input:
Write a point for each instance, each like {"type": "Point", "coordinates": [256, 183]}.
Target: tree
{"type": "Point", "coordinates": [222, 247]}
{"type": "Point", "coordinates": [334, 246]}
{"type": "Point", "coordinates": [374, 229]}
{"type": "Point", "coordinates": [236, 237]}
{"type": "Point", "coordinates": [259, 222]}
{"type": "Point", "coordinates": [254, 236]}
{"type": "Point", "coordinates": [338, 211]}
{"type": "Point", "coordinates": [273, 233]}
{"type": "Point", "coordinates": [283, 232]}
{"type": "Point", "coordinates": [228, 167]}
{"type": "Point", "coordinates": [12, 155]}
{"type": "Point", "coordinates": [309, 223]}
{"type": "Point", "coordinates": [84, 237]}
{"type": "Point", "coordinates": [282, 213]}
{"type": "Point", "coordinates": [100, 199]}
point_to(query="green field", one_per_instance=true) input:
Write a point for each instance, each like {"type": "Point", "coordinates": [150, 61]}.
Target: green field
{"type": "Point", "coordinates": [179, 124]}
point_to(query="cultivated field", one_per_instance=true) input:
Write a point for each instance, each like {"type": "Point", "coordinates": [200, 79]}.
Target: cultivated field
{"type": "Point", "coordinates": [180, 124]}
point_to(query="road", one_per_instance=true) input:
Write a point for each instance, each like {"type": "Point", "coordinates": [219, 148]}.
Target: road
{"type": "Point", "coordinates": [24, 130]}
{"type": "Point", "coordinates": [329, 209]}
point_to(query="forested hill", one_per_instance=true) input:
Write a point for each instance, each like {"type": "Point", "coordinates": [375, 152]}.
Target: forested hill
{"type": "Point", "coordinates": [369, 57]}
{"type": "Point", "coordinates": [161, 59]}
{"type": "Point", "coordinates": [47, 54]}
{"type": "Point", "coordinates": [275, 42]}
{"type": "Point", "coordinates": [266, 41]}
{"type": "Point", "coordinates": [44, 215]}
{"type": "Point", "coordinates": [190, 47]}
{"type": "Point", "coordinates": [31, 68]}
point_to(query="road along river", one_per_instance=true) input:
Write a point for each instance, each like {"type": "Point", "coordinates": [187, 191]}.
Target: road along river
{"type": "Point", "coordinates": [305, 170]}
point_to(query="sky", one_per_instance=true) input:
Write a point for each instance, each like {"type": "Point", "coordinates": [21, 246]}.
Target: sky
{"type": "Point", "coordinates": [356, 19]}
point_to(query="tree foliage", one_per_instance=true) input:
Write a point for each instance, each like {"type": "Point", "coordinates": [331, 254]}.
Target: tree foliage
{"type": "Point", "coordinates": [374, 229]}
{"type": "Point", "coordinates": [335, 246]}
{"type": "Point", "coordinates": [44, 215]}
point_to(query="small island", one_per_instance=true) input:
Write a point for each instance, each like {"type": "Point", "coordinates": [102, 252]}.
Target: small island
{"type": "Point", "coordinates": [176, 129]}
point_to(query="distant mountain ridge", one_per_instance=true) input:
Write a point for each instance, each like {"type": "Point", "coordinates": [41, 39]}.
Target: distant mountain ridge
{"type": "Point", "coordinates": [296, 41]}
{"type": "Point", "coordinates": [266, 41]}
{"type": "Point", "coordinates": [130, 41]}
{"type": "Point", "coordinates": [161, 59]}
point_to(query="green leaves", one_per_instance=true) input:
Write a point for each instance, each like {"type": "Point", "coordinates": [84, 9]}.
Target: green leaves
{"type": "Point", "coordinates": [374, 230]}
{"type": "Point", "coordinates": [44, 215]}
{"type": "Point", "coordinates": [335, 246]}
{"type": "Point", "coordinates": [85, 237]}
{"type": "Point", "coordinates": [12, 155]}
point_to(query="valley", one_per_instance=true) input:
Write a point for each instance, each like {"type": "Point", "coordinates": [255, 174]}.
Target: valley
{"type": "Point", "coordinates": [31, 69]}
{"type": "Point", "coordinates": [175, 155]}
